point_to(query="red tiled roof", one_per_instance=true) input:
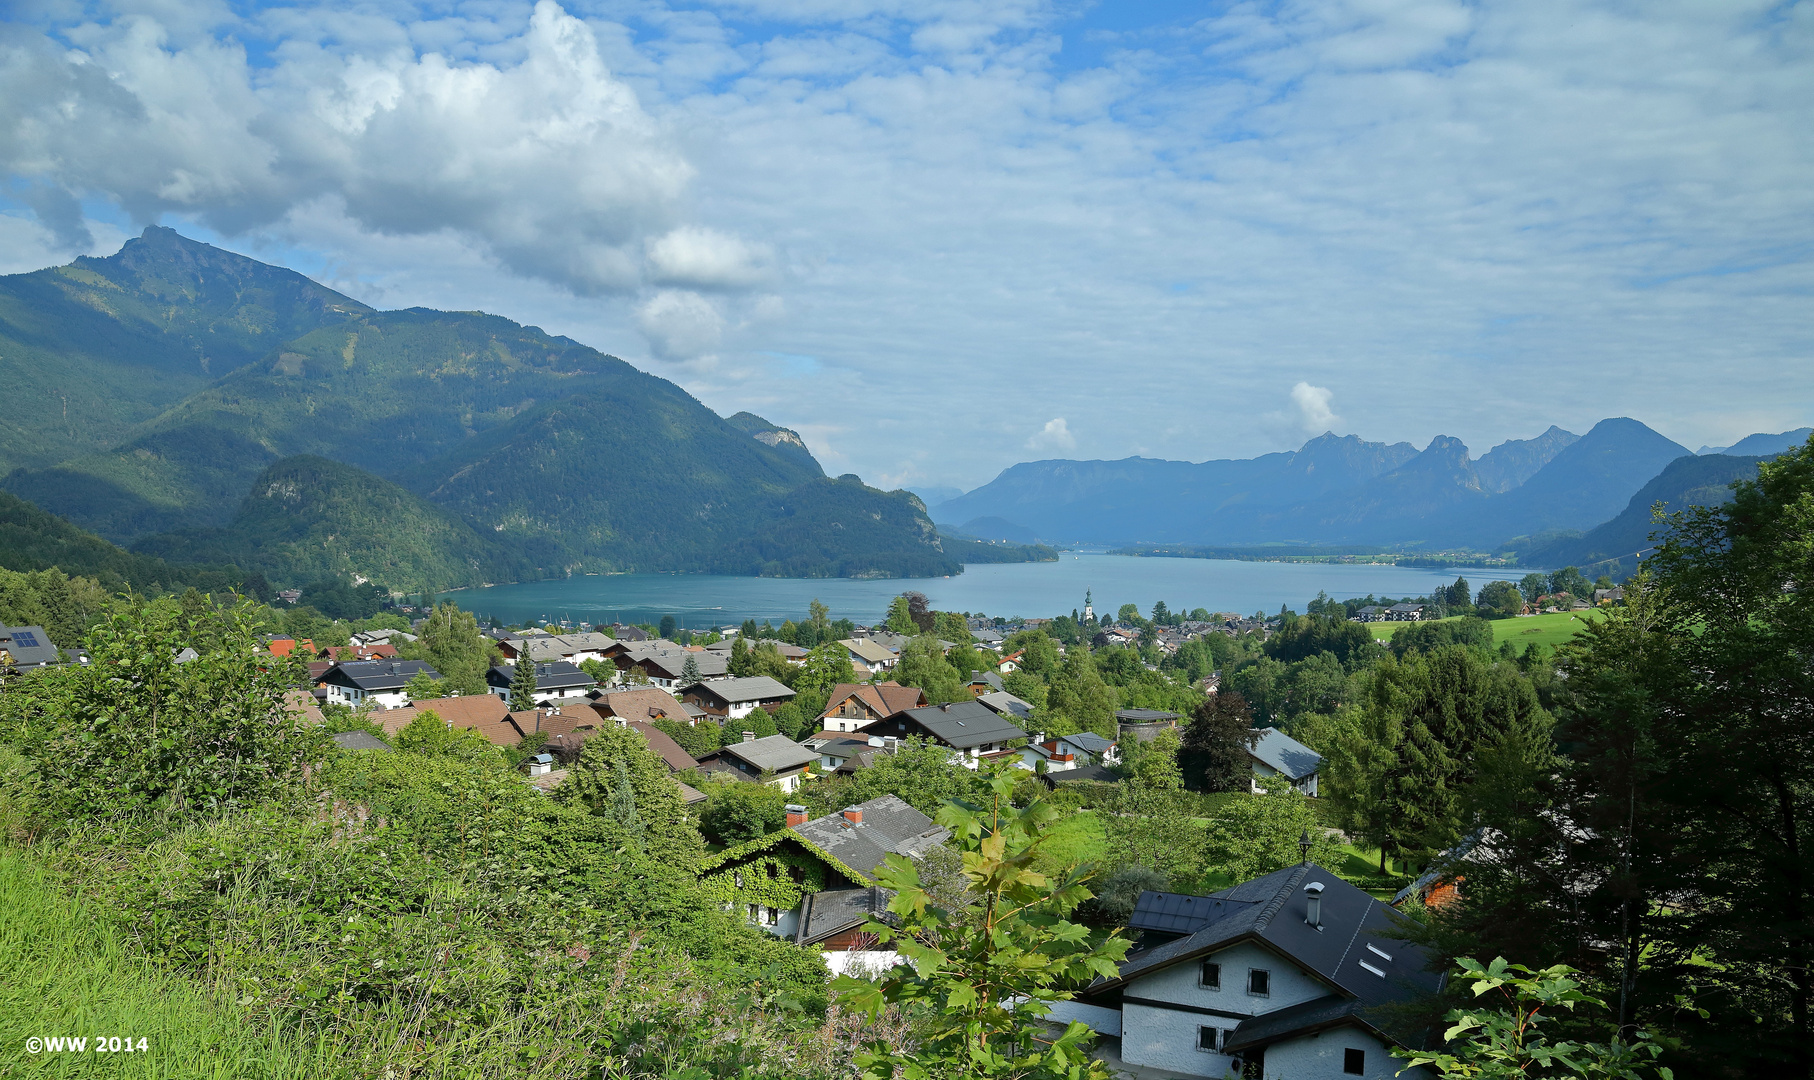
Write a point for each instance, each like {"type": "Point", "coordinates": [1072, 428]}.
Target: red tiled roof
{"type": "Point", "coordinates": [486, 714]}
{"type": "Point", "coordinates": [884, 698]}
{"type": "Point", "coordinates": [640, 705]}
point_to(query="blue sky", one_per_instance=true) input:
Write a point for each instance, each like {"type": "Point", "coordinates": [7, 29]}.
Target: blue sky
{"type": "Point", "coordinates": [944, 236]}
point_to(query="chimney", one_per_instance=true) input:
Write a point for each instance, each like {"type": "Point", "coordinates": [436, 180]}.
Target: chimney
{"type": "Point", "coordinates": [749, 736]}
{"type": "Point", "coordinates": [796, 815]}
{"type": "Point", "coordinates": [853, 814]}
{"type": "Point", "coordinates": [396, 668]}
{"type": "Point", "coordinates": [1313, 913]}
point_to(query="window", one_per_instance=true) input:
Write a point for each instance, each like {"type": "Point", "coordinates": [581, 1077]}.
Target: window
{"type": "Point", "coordinates": [1209, 975]}
{"type": "Point", "coordinates": [1354, 1062]}
{"type": "Point", "coordinates": [1259, 982]}
{"type": "Point", "coordinates": [1206, 1039]}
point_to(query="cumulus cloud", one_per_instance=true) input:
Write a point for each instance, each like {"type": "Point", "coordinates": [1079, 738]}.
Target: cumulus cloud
{"type": "Point", "coordinates": [1313, 408]}
{"type": "Point", "coordinates": [546, 160]}
{"type": "Point", "coordinates": [680, 325]}
{"type": "Point", "coordinates": [706, 258]}
{"type": "Point", "coordinates": [1056, 435]}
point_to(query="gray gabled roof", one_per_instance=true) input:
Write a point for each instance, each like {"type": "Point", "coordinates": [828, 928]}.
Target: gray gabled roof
{"type": "Point", "coordinates": [359, 740]}
{"type": "Point", "coordinates": [1286, 754]}
{"type": "Point", "coordinates": [1090, 742]}
{"type": "Point", "coordinates": [29, 646]}
{"type": "Point", "coordinates": [889, 827]}
{"type": "Point", "coordinates": [833, 911]}
{"type": "Point", "coordinates": [963, 724]}
{"type": "Point", "coordinates": [774, 753]}
{"type": "Point", "coordinates": [559, 675]}
{"type": "Point", "coordinates": [1352, 950]}
{"type": "Point", "coordinates": [738, 691]}
{"type": "Point", "coordinates": [1006, 704]}
{"type": "Point", "coordinates": [378, 676]}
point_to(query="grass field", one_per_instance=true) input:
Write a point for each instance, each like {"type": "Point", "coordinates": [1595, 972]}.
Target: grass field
{"type": "Point", "coordinates": [64, 973]}
{"type": "Point", "coordinates": [1546, 630]}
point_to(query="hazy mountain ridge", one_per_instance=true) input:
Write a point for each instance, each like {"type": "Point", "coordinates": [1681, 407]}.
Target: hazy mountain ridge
{"type": "Point", "coordinates": [1336, 491]}
{"type": "Point", "coordinates": [554, 457]}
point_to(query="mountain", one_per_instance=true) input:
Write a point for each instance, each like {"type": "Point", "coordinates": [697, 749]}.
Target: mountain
{"type": "Point", "coordinates": [1514, 461]}
{"type": "Point", "coordinates": [32, 540]}
{"type": "Point", "coordinates": [1613, 546]}
{"type": "Point", "coordinates": [558, 456]}
{"type": "Point", "coordinates": [308, 518]}
{"type": "Point", "coordinates": [786, 440]}
{"type": "Point", "coordinates": [994, 528]}
{"type": "Point", "coordinates": [1140, 499]}
{"type": "Point", "coordinates": [90, 349]}
{"type": "Point", "coordinates": [1761, 445]}
{"type": "Point", "coordinates": [1587, 482]}
{"type": "Point", "coordinates": [1334, 490]}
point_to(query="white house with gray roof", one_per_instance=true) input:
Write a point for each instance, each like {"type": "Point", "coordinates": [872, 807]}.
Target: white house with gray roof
{"type": "Point", "coordinates": [380, 682]}
{"type": "Point", "coordinates": [1290, 976]}
{"type": "Point", "coordinates": [776, 760]}
{"type": "Point", "coordinates": [1278, 754]}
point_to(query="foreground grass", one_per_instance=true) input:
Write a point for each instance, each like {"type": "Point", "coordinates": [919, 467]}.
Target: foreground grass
{"type": "Point", "coordinates": [63, 972]}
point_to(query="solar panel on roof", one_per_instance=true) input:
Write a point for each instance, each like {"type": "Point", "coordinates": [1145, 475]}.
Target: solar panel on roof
{"type": "Point", "coordinates": [25, 639]}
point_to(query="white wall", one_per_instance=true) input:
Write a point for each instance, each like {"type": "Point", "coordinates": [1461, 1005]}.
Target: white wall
{"type": "Point", "coordinates": [1167, 1038]}
{"type": "Point", "coordinates": [1100, 1020]}
{"type": "Point", "coordinates": [861, 963]}
{"type": "Point", "coordinates": [1319, 1057]}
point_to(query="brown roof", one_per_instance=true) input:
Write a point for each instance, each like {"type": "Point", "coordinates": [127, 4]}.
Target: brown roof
{"type": "Point", "coordinates": [885, 698]}
{"type": "Point", "coordinates": [662, 743]}
{"type": "Point", "coordinates": [383, 649]}
{"type": "Point", "coordinates": [486, 714]}
{"type": "Point", "coordinates": [644, 704]}
{"type": "Point", "coordinates": [302, 705]}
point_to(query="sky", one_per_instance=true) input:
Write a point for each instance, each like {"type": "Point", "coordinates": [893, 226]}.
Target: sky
{"type": "Point", "coordinates": [940, 237]}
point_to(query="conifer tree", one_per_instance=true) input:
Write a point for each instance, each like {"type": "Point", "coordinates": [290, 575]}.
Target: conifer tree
{"type": "Point", "coordinates": [522, 682]}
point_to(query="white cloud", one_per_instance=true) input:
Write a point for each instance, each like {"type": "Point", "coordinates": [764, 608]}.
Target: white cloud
{"type": "Point", "coordinates": [1312, 404]}
{"type": "Point", "coordinates": [706, 258]}
{"type": "Point", "coordinates": [1056, 435]}
{"type": "Point", "coordinates": [680, 325]}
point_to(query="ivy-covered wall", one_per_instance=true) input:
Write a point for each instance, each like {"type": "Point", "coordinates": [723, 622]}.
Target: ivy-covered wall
{"type": "Point", "coordinates": [776, 874]}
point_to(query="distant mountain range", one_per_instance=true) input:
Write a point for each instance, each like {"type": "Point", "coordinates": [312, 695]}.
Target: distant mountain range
{"type": "Point", "coordinates": [1533, 496]}
{"type": "Point", "coordinates": [206, 407]}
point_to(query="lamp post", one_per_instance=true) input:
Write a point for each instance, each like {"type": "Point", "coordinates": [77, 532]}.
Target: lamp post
{"type": "Point", "coordinates": [1304, 846]}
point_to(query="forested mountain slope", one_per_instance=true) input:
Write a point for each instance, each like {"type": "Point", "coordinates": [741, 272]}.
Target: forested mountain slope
{"type": "Point", "coordinates": [89, 349]}
{"type": "Point", "coordinates": [555, 457]}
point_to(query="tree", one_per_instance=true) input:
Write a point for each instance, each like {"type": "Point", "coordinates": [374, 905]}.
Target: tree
{"type": "Point", "coordinates": [1153, 766]}
{"type": "Point", "coordinates": [1039, 653]}
{"type": "Point", "coordinates": [422, 686]}
{"type": "Point", "coordinates": [133, 730]}
{"type": "Point", "coordinates": [689, 671]}
{"type": "Point", "coordinates": [1213, 755]}
{"type": "Point", "coordinates": [1570, 580]}
{"type": "Point", "coordinates": [923, 665]}
{"type": "Point", "coordinates": [736, 811]}
{"type": "Point", "coordinates": [1076, 693]}
{"type": "Point", "coordinates": [987, 981]}
{"type": "Point", "coordinates": [451, 641]}
{"type": "Point", "coordinates": [597, 782]}
{"type": "Point", "coordinates": [1500, 600]}
{"type": "Point", "coordinates": [900, 617]}
{"type": "Point", "coordinates": [1301, 638]}
{"type": "Point", "coordinates": [522, 683]}
{"type": "Point", "coordinates": [1508, 1042]}
{"type": "Point", "coordinates": [919, 609]}
{"type": "Point", "coordinates": [1253, 836]}
{"type": "Point", "coordinates": [821, 670]}
{"type": "Point", "coordinates": [740, 664]}
{"type": "Point", "coordinates": [1117, 893]}
{"type": "Point", "coordinates": [1424, 724]}
{"type": "Point", "coordinates": [667, 627]}
{"type": "Point", "coordinates": [1532, 586]}
{"type": "Point", "coordinates": [429, 734]}
{"type": "Point", "coordinates": [921, 773]}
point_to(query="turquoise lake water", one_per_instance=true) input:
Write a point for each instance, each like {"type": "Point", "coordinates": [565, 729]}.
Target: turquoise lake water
{"type": "Point", "coordinates": [1031, 590]}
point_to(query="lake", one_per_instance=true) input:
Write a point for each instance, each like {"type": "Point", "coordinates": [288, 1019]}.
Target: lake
{"type": "Point", "coordinates": [1030, 590]}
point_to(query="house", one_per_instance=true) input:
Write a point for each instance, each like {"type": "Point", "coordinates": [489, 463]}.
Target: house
{"type": "Point", "coordinates": [1002, 703]}
{"type": "Point", "coordinates": [855, 706]}
{"type": "Point", "coordinates": [1608, 596]}
{"type": "Point", "coordinates": [1069, 752]}
{"type": "Point", "coordinates": [667, 668]}
{"type": "Point", "coordinates": [380, 682]}
{"type": "Point", "coordinates": [342, 653]}
{"type": "Point", "coordinates": [1278, 754]}
{"type": "Point", "coordinates": [1441, 883]}
{"type": "Point", "coordinates": [986, 636]}
{"type": "Point", "coordinates": [670, 752]}
{"type": "Point", "coordinates": [839, 753]}
{"type": "Point", "coordinates": [544, 647]}
{"type": "Point", "coordinates": [1370, 613]}
{"type": "Point", "coordinates": [359, 740]}
{"type": "Point", "coordinates": [1404, 613]}
{"type": "Point", "coordinates": [628, 633]}
{"type": "Point", "coordinates": [813, 881]}
{"type": "Point", "coordinates": [984, 682]}
{"type": "Point", "coordinates": [866, 655]}
{"type": "Point", "coordinates": [299, 704]}
{"type": "Point", "coordinates": [734, 699]}
{"type": "Point", "coordinates": [1011, 662]}
{"type": "Point", "coordinates": [290, 596]}
{"type": "Point", "coordinates": [556, 682]}
{"type": "Point", "coordinates": [28, 648]}
{"type": "Point", "coordinates": [284, 645]}
{"type": "Point", "coordinates": [484, 713]}
{"type": "Point", "coordinates": [1289, 975]}
{"type": "Point", "coordinates": [640, 704]}
{"type": "Point", "coordinates": [776, 760]}
{"type": "Point", "coordinates": [970, 728]}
